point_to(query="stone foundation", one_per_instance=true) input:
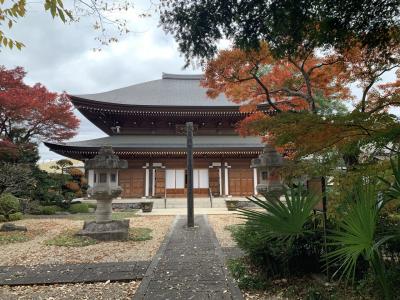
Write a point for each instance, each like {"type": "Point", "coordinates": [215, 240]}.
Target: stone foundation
{"type": "Point", "coordinates": [106, 231]}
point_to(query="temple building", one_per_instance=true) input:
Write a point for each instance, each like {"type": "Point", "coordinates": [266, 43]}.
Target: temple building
{"type": "Point", "coordinates": [145, 124]}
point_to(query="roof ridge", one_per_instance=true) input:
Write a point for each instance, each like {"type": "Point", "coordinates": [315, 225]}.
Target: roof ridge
{"type": "Point", "coordinates": [182, 76]}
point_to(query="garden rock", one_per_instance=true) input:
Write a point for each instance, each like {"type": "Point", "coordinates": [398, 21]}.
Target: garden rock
{"type": "Point", "coordinates": [106, 231]}
{"type": "Point", "coordinates": [12, 227]}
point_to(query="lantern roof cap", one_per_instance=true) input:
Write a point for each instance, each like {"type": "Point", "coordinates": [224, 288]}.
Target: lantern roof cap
{"type": "Point", "coordinates": [106, 159]}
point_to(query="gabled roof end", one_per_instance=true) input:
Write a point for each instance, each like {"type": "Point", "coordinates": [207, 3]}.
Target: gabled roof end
{"type": "Point", "coordinates": [182, 76]}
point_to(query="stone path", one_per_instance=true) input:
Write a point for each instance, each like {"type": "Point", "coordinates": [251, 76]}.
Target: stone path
{"type": "Point", "coordinates": [188, 265]}
{"type": "Point", "coordinates": [72, 273]}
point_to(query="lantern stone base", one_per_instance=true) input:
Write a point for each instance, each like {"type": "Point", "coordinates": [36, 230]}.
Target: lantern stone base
{"type": "Point", "coordinates": [106, 231]}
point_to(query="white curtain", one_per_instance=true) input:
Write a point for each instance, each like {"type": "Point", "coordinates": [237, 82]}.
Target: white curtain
{"type": "Point", "coordinates": [170, 179]}
{"type": "Point", "coordinates": [174, 179]}
{"type": "Point", "coordinates": [200, 178]}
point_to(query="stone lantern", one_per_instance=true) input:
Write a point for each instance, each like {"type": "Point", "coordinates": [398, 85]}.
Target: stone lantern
{"type": "Point", "coordinates": [105, 166]}
{"type": "Point", "coordinates": [268, 164]}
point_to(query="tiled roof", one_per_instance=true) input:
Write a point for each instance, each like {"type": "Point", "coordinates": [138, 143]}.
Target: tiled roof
{"type": "Point", "coordinates": [155, 142]}
{"type": "Point", "coordinates": [171, 90]}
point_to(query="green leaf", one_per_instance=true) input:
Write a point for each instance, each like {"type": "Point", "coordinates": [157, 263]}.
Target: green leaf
{"type": "Point", "coordinates": [61, 14]}
{"type": "Point", "coordinates": [356, 236]}
{"type": "Point", "coordinates": [282, 221]}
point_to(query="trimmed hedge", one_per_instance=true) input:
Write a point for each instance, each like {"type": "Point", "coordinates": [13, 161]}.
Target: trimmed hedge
{"type": "Point", "coordinates": [9, 204]}
{"type": "Point", "coordinates": [79, 208]}
{"type": "Point", "coordinates": [15, 216]}
{"type": "Point", "coordinates": [48, 210]}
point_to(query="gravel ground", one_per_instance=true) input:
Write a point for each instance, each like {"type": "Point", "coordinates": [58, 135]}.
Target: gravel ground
{"type": "Point", "coordinates": [35, 252]}
{"type": "Point", "coordinates": [219, 222]}
{"type": "Point", "coordinates": [81, 291]}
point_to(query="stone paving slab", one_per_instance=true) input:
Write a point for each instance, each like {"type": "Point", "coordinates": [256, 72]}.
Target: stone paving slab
{"type": "Point", "coordinates": [72, 273]}
{"type": "Point", "coordinates": [188, 265]}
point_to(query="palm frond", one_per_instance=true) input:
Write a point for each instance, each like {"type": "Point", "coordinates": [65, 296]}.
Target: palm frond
{"type": "Point", "coordinates": [281, 220]}
{"type": "Point", "coordinates": [356, 236]}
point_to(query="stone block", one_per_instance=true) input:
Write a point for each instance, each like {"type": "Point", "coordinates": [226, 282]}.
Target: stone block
{"type": "Point", "coordinates": [12, 227]}
{"type": "Point", "coordinates": [106, 231]}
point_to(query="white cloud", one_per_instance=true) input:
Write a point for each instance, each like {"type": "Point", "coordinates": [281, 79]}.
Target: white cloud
{"type": "Point", "coordinates": [61, 57]}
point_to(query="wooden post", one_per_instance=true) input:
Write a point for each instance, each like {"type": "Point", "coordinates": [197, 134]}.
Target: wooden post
{"type": "Point", "coordinates": [151, 170]}
{"type": "Point", "coordinates": [189, 144]}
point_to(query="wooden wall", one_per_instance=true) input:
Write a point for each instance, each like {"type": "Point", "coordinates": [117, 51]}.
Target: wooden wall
{"type": "Point", "coordinates": [240, 175]}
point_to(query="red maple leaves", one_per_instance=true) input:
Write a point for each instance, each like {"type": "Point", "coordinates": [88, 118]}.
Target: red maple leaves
{"type": "Point", "coordinates": [32, 113]}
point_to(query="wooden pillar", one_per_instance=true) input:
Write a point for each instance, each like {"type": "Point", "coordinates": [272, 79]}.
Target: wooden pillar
{"type": "Point", "coordinates": [226, 176]}
{"type": "Point", "coordinates": [222, 178]}
{"type": "Point", "coordinates": [151, 171]}
{"type": "Point", "coordinates": [255, 180]}
{"type": "Point", "coordinates": [146, 184]}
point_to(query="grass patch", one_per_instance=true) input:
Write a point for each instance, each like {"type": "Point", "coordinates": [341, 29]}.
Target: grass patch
{"type": "Point", "coordinates": [115, 216]}
{"type": "Point", "coordinates": [14, 237]}
{"type": "Point", "coordinates": [69, 239]}
{"type": "Point", "coordinates": [78, 208]}
{"type": "Point", "coordinates": [19, 236]}
{"type": "Point", "coordinates": [140, 234]}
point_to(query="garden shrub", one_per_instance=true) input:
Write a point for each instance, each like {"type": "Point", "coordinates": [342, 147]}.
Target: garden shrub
{"type": "Point", "coordinates": [15, 216]}
{"type": "Point", "coordinates": [3, 218]}
{"type": "Point", "coordinates": [33, 207]}
{"type": "Point", "coordinates": [48, 210]}
{"type": "Point", "coordinates": [79, 208]}
{"type": "Point", "coordinates": [92, 205]}
{"type": "Point", "coordinates": [271, 256]}
{"type": "Point", "coordinates": [9, 204]}
{"type": "Point", "coordinates": [16, 179]}
{"type": "Point", "coordinates": [246, 278]}
{"type": "Point", "coordinates": [36, 209]}
{"type": "Point", "coordinates": [388, 224]}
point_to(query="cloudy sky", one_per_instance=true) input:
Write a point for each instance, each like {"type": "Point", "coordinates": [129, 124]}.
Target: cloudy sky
{"type": "Point", "coordinates": [61, 57]}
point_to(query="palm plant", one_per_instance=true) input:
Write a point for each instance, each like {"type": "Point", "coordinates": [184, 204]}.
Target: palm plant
{"type": "Point", "coordinates": [356, 237]}
{"type": "Point", "coordinates": [282, 221]}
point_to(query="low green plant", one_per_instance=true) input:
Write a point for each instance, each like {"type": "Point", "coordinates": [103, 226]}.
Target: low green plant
{"type": "Point", "coordinates": [9, 204]}
{"type": "Point", "coordinates": [140, 234]}
{"type": "Point", "coordinates": [357, 238]}
{"type": "Point", "coordinates": [393, 190]}
{"type": "Point", "coordinates": [118, 215]}
{"type": "Point", "coordinates": [3, 218]}
{"type": "Point", "coordinates": [16, 216]}
{"type": "Point", "coordinates": [274, 258]}
{"type": "Point", "coordinates": [282, 236]}
{"type": "Point", "coordinates": [79, 208]}
{"type": "Point", "coordinates": [70, 239]}
{"type": "Point", "coordinates": [13, 237]}
{"type": "Point", "coordinates": [282, 221]}
{"type": "Point", "coordinates": [47, 210]}
{"type": "Point", "coordinates": [246, 276]}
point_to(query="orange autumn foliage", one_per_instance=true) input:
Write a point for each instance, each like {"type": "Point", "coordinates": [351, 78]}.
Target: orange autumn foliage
{"type": "Point", "coordinates": [254, 77]}
{"type": "Point", "coordinates": [264, 86]}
